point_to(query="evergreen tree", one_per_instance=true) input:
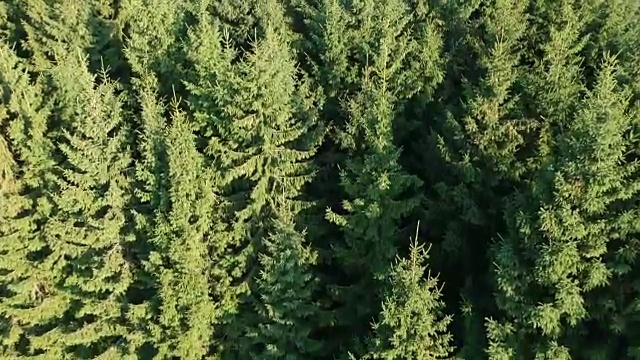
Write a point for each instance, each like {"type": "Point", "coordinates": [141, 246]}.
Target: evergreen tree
{"type": "Point", "coordinates": [614, 31]}
{"type": "Point", "coordinates": [557, 35]}
{"type": "Point", "coordinates": [284, 313]}
{"type": "Point", "coordinates": [241, 19]}
{"type": "Point", "coordinates": [72, 300]}
{"type": "Point", "coordinates": [411, 324]}
{"type": "Point", "coordinates": [151, 198]}
{"type": "Point", "coordinates": [260, 119]}
{"type": "Point", "coordinates": [560, 229]}
{"type": "Point", "coordinates": [476, 144]}
{"type": "Point", "coordinates": [180, 244]}
{"type": "Point", "coordinates": [90, 227]}
{"type": "Point", "coordinates": [478, 141]}
{"type": "Point", "coordinates": [52, 28]}
{"type": "Point", "coordinates": [154, 44]}
{"type": "Point", "coordinates": [259, 123]}
{"type": "Point", "coordinates": [8, 26]}
{"type": "Point", "coordinates": [614, 309]}
{"type": "Point", "coordinates": [44, 28]}
{"type": "Point", "coordinates": [228, 226]}
{"type": "Point", "coordinates": [378, 192]}
{"type": "Point", "coordinates": [341, 39]}
{"type": "Point", "coordinates": [343, 44]}
{"type": "Point", "coordinates": [24, 205]}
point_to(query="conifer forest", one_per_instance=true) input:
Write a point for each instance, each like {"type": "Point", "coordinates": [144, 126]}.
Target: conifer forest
{"type": "Point", "coordinates": [320, 179]}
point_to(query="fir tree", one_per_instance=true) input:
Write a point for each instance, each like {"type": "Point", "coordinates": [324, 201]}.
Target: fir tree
{"type": "Point", "coordinates": [478, 140]}
{"type": "Point", "coordinates": [8, 26]}
{"type": "Point", "coordinates": [475, 147]}
{"type": "Point", "coordinates": [342, 38]}
{"type": "Point", "coordinates": [45, 28]}
{"type": "Point", "coordinates": [228, 226]}
{"type": "Point", "coordinates": [150, 199]}
{"type": "Point", "coordinates": [557, 34]}
{"type": "Point", "coordinates": [614, 32]}
{"type": "Point", "coordinates": [342, 44]}
{"type": "Point", "coordinates": [241, 18]}
{"type": "Point", "coordinates": [376, 189]}
{"type": "Point", "coordinates": [89, 229]}
{"type": "Point", "coordinates": [614, 309]}
{"type": "Point", "coordinates": [257, 114]}
{"type": "Point", "coordinates": [52, 28]}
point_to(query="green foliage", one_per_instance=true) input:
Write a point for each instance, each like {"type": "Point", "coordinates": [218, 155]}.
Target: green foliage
{"type": "Point", "coordinates": [235, 179]}
{"type": "Point", "coordinates": [68, 267]}
{"type": "Point", "coordinates": [466, 136]}
{"type": "Point", "coordinates": [283, 312]}
{"type": "Point", "coordinates": [258, 122]}
{"type": "Point", "coordinates": [93, 193]}
{"type": "Point", "coordinates": [25, 114]}
{"type": "Point", "coordinates": [153, 43]}
{"type": "Point", "coordinates": [558, 237]}
{"type": "Point", "coordinates": [412, 325]}
{"type": "Point", "coordinates": [261, 122]}
{"type": "Point", "coordinates": [369, 71]}
{"type": "Point", "coordinates": [180, 254]}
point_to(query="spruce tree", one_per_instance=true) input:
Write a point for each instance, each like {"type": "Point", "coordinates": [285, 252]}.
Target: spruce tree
{"type": "Point", "coordinates": [53, 27]}
{"type": "Point", "coordinates": [241, 18]}
{"type": "Point", "coordinates": [24, 205]}
{"type": "Point", "coordinates": [475, 147]}
{"type": "Point", "coordinates": [184, 230]}
{"type": "Point", "coordinates": [614, 31]}
{"type": "Point", "coordinates": [150, 200]}
{"type": "Point", "coordinates": [560, 228]}
{"type": "Point", "coordinates": [479, 138]}
{"type": "Point", "coordinates": [43, 28]}
{"type": "Point", "coordinates": [342, 44]}
{"type": "Point", "coordinates": [557, 36]}
{"type": "Point", "coordinates": [378, 195]}
{"type": "Point", "coordinates": [614, 309]}
{"type": "Point", "coordinates": [72, 300]}
{"type": "Point", "coordinates": [154, 42]}
{"type": "Point", "coordinates": [412, 324]}
{"type": "Point", "coordinates": [258, 121]}
{"type": "Point", "coordinates": [345, 43]}
{"type": "Point", "coordinates": [92, 211]}
{"type": "Point", "coordinates": [283, 312]}
{"type": "Point", "coordinates": [228, 226]}
{"type": "Point", "coordinates": [8, 26]}
{"type": "Point", "coordinates": [340, 39]}
{"type": "Point", "coordinates": [569, 38]}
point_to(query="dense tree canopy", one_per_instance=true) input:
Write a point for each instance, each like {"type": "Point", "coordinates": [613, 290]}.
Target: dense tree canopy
{"type": "Point", "coordinates": [242, 179]}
